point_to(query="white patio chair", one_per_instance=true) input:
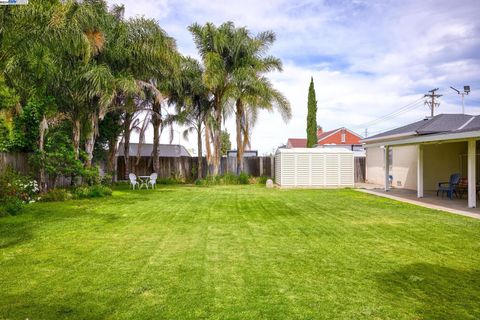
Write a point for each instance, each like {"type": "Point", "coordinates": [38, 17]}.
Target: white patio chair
{"type": "Point", "coordinates": [133, 180]}
{"type": "Point", "coordinates": [153, 180]}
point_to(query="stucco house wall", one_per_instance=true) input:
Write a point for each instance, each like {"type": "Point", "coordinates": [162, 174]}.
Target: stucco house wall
{"type": "Point", "coordinates": [440, 161]}
{"type": "Point", "coordinates": [403, 167]}
{"type": "Point", "coordinates": [374, 166]}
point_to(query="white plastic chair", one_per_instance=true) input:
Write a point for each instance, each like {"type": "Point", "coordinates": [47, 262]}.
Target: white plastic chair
{"type": "Point", "coordinates": [133, 180]}
{"type": "Point", "coordinates": [153, 180]}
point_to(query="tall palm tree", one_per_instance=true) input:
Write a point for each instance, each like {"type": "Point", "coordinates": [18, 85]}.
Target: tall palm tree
{"type": "Point", "coordinates": [215, 45]}
{"type": "Point", "coordinates": [251, 90]}
{"type": "Point", "coordinates": [193, 103]}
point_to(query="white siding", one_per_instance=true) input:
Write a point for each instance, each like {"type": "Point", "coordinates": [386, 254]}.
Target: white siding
{"type": "Point", "coordinates": [330, 168]}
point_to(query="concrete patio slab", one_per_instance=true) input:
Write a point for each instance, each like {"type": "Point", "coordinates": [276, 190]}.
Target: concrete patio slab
{"type": "Point", "coordinates": [430, 200]}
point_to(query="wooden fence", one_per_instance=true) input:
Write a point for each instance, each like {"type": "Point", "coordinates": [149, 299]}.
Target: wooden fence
{"type": "Point", "coordinates": [186, 167]}
{"type": "Point", "coordinates": [16, 161]}
{"type": "Point", "coordinates": [360, 169]}
{"type": "Point", "coordinates": [181, 167]}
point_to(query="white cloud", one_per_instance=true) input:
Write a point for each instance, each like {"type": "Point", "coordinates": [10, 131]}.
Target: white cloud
{"type": "Point", "coordinates": [368, 58]}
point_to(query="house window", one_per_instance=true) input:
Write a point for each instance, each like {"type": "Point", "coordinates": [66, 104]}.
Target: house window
{"type": "Point", "coordinates": [343, 137]}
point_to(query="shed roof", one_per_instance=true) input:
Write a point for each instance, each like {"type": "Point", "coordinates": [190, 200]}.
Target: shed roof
{"type": "Point", "coordinates": [165, 150]}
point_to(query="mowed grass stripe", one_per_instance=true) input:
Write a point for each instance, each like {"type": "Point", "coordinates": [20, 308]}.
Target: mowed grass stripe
{"type": "Point", "coordinates": [239, 252]}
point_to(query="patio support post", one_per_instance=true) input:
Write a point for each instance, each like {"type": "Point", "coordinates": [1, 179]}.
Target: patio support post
{"type": "Point", "coordinates": [419, 171]}
{"type": "Point", "coordinates": [472, 180]}
{"type": "Point", "coordinates": [387, 167]}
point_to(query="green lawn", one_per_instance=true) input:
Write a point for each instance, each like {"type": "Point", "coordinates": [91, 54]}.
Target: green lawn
{"type": "Point", "coordinates": [238, 253]}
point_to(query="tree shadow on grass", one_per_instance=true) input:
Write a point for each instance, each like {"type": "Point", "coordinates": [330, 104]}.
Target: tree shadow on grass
{"type": "Point", "coordinates": [13, 233]}
{"type": "Point", "coordinates": [435, 292]}
{"type": "Point", "coordinates": [19, 229]}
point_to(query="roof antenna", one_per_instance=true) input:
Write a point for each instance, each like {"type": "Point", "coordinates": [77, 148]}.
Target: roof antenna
{"type": "Point", "coordinates": [466, 91]}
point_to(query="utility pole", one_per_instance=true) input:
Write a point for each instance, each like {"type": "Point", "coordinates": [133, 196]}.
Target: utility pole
{"type": "Point", "coordinates": [366, 132]}
{"type": "Point", "coordinates": [432, 104]}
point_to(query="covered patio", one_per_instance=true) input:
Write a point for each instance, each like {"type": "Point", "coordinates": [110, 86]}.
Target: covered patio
{"type": "Point", "coordinates": [426, 153]}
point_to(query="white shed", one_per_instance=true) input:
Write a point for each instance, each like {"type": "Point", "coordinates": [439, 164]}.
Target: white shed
{"type": "Point", "coordinates": [314, 167]}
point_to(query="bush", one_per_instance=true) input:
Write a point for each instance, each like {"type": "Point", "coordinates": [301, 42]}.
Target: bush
{"type": "Point", "coordinates": [56, 195]}
{"type": "Point", "coordinates": [243, 178]}
{"type": "Point", "coordinates": [227, 179]}
{"type": "Point", "coordinates": [263, 180]}
{"type": "Point", "coordinates": [107, 179]}
{"type": "Point", "coordinates": [16, 190]}
{"type": "Point", "coordinates": [10, 206]}
{"type": "Point", "coordinates": [96, 191]}
{"type": "Point", "coordinates": [91, 176]}
{"type": "Point", "coordinates": [167, 181]}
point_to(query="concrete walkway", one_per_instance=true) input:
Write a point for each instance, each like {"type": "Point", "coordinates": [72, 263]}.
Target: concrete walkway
{"type": "Point", "coordinates": [430, 200]}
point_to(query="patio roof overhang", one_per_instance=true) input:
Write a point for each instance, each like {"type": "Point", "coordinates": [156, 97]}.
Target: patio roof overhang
{"type": "Point", "coordinates": [471, 137]}
{"type": "Point", "coordinates": [424, 139]}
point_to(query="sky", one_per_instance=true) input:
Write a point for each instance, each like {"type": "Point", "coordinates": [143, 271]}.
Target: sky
{"type": "Point", "coordinates": [367, 58]}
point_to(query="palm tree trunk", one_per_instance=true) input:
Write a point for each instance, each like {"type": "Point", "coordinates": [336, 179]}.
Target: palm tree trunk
{"type": "Point", "coordinates": [156, 122]}
{"type": "Point", "coordinates": [208, 147]}
{"type": "Point", "coordinates": [76, 137]}
{"type": "Point", "coordinates": [239, 119]}
{"type": "Point", "coordinates": [41, 141]}
{"type": "Point", "coordinates": [200, 151]}
{"type": "Point", "coordinates": [90, 141]}
{"type": "Point", "coordinates": [217, 142]}
{"type": "Point", "coordinates": [126, 143]}
{"type": "Point", "coordinates": [112, 153]}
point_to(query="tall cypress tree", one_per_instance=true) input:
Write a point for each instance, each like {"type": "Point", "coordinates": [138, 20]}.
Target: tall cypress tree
{"type": "Point", "coordinates": [311, 117]}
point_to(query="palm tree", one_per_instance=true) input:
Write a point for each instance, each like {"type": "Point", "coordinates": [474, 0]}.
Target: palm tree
{"type": "Point", "coordinates": [215, 46]}
{"type": "Point", "coordinates": [193, 104]}
{"type": "Point", "coordinates": [251, 90]}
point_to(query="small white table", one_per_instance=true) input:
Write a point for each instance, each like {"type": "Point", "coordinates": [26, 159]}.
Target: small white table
{"type": "Point", "coordinates": [143, 181]}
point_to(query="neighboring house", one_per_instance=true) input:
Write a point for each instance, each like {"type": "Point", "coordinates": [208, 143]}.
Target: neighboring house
{"type": "Point", "coordinates": [341, 137]}
{"type": "Point", "coordinates": [246, 153]}
{"type": "Point", "coordinates": [426, 152]}
{"type": "Point", "coordinates": [165, 150]}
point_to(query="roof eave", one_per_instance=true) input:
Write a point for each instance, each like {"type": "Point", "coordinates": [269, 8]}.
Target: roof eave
{"type": "Point", "coordinates": [432, 138]}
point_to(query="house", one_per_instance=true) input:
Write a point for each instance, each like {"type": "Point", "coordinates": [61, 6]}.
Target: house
{"type": "Point", "coordinates": [420, 155]}
{"type": "Point", "coordinates": [246, 153]}
{"type": "Point", "coordinates": [165, 150]}
{"type": "Point", "coordinates": [341, 137]}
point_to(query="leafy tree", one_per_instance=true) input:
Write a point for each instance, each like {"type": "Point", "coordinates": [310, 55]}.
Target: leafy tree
{"type": "Point", "coordinates": [226, 143]}
{"type": "Point", "coordinates": [312, 117]}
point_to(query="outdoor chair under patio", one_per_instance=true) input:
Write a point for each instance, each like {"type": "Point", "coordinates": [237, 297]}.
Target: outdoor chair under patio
{"type": "Point", "coordinates": [133, 180]}
{"type": "Point", "coordinates": [449, 187]}
{"type": "Point", "coordinates": [153, 180]}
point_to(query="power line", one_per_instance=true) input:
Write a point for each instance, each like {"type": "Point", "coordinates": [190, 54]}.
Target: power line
{"type": "Point", "coordinates": [403, 109]}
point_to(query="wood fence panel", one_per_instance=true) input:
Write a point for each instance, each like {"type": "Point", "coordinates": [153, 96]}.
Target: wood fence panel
{"type": "Point", "coordinates": [186, 167]}
{"type": "Point", "coordinates": [360, 169]}
{"type": "Point", "coordinates": [16, 161]}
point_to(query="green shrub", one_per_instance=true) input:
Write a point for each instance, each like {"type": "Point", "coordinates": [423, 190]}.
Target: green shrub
{"type": "Point", "coordinates": [15, 191]}
{"type": "Point", "coordinates": [167, 181]}
{"type": "Point", "coordinates": [96, 191]}
{"type": "Point", "coordinates": [243, 178]}
{"type": "Point", "coordinates": [10, 206]}
{"type": "Point", "coordinates": [227, 179]}
{"type": "Point", "coordinates": [107, 179]}
{"type": "Point", "coordinates": [262, 180]}
{"type": "Point", "coordinates": [56, 195]}
{"type": "Point", "coordinates": [91, 176]}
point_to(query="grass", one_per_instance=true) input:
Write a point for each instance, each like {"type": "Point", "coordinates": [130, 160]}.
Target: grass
{"type": "Point", "coordinates": [239, 252]}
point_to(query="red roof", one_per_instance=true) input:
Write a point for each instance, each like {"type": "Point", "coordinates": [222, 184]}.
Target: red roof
{"type": "Point", "coordinates": [338, 137]}
{"type": "Point", "coordinates": [296, 143]}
